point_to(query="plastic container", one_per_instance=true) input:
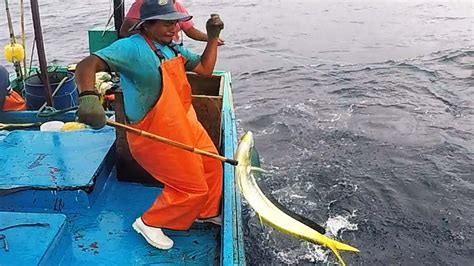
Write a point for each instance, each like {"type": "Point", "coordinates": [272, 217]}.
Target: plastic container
{"type": "Point", "coordinates": [66, 97]}
{"type": "Point", "coordinates": [54, 126]}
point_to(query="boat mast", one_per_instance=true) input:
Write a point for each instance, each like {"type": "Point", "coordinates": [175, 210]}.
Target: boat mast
{"type": "Point", "coordinates": [119, 14]}
{"type": "Point", "coordinates": [41, 53]}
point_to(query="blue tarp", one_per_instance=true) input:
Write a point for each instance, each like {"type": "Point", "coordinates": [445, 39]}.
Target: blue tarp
{"type": "Point", "coordinates": [52, 159]}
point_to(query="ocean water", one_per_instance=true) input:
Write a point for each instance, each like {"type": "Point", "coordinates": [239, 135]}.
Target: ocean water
{"type": "Point", "coordinates": [363, 113]}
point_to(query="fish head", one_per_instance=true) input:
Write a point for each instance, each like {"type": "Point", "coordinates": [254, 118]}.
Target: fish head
{"type": "Point", "coordinates": [244, 156]}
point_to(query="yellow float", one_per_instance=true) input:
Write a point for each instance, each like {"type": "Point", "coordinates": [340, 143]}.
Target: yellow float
{"type": "Point", "coordinates": [14, 52]}
{"type": "Point", "coordinates": [72, 126]}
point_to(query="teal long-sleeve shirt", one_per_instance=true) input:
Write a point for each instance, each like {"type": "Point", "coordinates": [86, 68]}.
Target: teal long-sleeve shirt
{"type": "Point", "coordinates": [139, 71]}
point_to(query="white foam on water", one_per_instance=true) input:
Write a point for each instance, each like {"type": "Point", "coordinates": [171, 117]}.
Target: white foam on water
{"type": "Point", "coordinates": [339, 224]}
{"type": "Point", "coordinates": [307, 252]}
{"type": "Point", "coordinates": [296, 196]}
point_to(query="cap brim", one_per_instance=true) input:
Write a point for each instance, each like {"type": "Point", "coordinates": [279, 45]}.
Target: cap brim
{"type": "Point", "coordinates": [167, 17]}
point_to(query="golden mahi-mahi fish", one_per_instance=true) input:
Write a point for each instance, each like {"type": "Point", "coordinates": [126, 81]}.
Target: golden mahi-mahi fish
{"type": "Point", "coordinates": [271, 212]}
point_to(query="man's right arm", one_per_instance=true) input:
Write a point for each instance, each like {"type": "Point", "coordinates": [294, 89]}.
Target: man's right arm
{"type": "Point", "coordinates": [85, 72]}
{"type": "Point", "coordinates": [90, 110]}
{"type": "Point", "coordinates": [117, 57]}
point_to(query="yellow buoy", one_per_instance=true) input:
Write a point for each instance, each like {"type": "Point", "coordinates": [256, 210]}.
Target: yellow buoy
{"type": "Point", "coordinates": [71, 67]}
{"type": "Point", "coordinates": [14, 52]}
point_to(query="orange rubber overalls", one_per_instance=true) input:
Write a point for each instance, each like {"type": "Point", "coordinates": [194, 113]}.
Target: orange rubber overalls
{"type": "Point", "coordinates": [14, 102]}
{"type": "Point", "coordinates": [192, 183]}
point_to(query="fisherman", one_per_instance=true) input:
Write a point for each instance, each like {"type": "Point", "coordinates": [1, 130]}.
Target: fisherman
{"type": "Point", "coordinates": [10, 100]}
{"type": "Point", "coordinates": [133, 16]}
{"type": "Point", "coordinates": [157, 99]}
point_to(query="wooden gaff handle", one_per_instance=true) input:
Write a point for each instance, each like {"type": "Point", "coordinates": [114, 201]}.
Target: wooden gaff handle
{"type": "Point", "coordinates": [171, 142]}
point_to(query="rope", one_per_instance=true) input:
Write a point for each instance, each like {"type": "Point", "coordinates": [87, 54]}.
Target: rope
{"type": "Point", "coordinates": [4, 237]}
{"type": "Point", "coordinates": [32, 55]}
{"type": "Point", "coordinates": [54, 93]}
{"type": "Point", "coordinates": [24, 225]}
{"type": "Point", "coordinates": [51, 111]}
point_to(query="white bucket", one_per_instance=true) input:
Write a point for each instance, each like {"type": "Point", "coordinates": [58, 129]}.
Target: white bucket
{"type": "Point", "coordinates": [54, 126]}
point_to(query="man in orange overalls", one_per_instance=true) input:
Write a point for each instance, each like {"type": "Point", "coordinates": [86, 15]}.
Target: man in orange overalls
{"type": "Point", "coordinates": [10, 100]}
{"type": "Point", "coordinates": [157, 99]}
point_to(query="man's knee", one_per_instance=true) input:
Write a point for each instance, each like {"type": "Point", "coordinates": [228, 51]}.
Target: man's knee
{"type": "Point", "coordinates": [201, 197]}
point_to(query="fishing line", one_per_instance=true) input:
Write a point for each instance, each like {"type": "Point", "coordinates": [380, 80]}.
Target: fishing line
{"type": "Point", "coordinates": [338, 63]}
{"type": "Point", "coordinates": [296, 62]}
{"type": "Point", "coordinates": [111, 12]}
{"type": "Point", "coordinates": [110, 17]}
{"type": "Point", "coordinates": [295, 55]}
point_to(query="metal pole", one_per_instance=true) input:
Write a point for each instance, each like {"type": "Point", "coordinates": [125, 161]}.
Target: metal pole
{"type": "Point", "coordinates": [41, 53]}
{"type": "Point", "coordinates": [119, 13]}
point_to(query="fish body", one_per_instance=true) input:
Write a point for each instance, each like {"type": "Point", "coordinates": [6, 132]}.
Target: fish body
{"type": "Point", "coordinates": [267, 211]}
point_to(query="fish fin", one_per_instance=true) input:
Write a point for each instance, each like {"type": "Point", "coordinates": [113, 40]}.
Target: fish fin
{"type": "Point", "coordinates": [336, 246]}
{"type": "Point", "coordinates": [258, 170]}
{"type": "Point", "coordinates": [261, 220]}
{"type": "Point", "coordinates": [338, 256]}
{"type": "Point", "coordinates": [344, 247]}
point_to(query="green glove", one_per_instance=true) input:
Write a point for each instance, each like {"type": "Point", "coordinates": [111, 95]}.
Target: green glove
{"type": "Point", "coordinates": [214, 26]}
{"type": "Point", "coordinates": [91, 112]}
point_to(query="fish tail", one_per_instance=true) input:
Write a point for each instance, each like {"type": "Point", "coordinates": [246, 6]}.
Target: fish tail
{"type": "Point", "coordinates": [258, 170]}
{"type": "Point", "coordinates": [338, 256]}
{"type": "Point", "coordinates": [336, 246]}
{"type": "Point", "coordinates": [344, 247]}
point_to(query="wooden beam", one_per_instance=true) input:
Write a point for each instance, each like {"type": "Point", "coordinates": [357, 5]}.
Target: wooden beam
{"type": "Point", "coordinates": [41, 52]}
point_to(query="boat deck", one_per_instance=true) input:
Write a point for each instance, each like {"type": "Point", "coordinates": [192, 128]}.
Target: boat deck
{"type": "Point", "coordinates": [62, 204]}
{"type": "Point", "coordinates": [75, 211]}
{"type": "Point", "coordinates": [104, 232]}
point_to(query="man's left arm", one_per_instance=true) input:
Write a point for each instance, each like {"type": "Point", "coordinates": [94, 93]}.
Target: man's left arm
{"type": "Point", "coordinates": [209, 57]}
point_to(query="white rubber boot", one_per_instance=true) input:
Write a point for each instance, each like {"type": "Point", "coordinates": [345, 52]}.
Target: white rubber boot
{"type": "Point", "coordinates": [153, 235]}
{"type": "Point", "coordinates": [215, 220]}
